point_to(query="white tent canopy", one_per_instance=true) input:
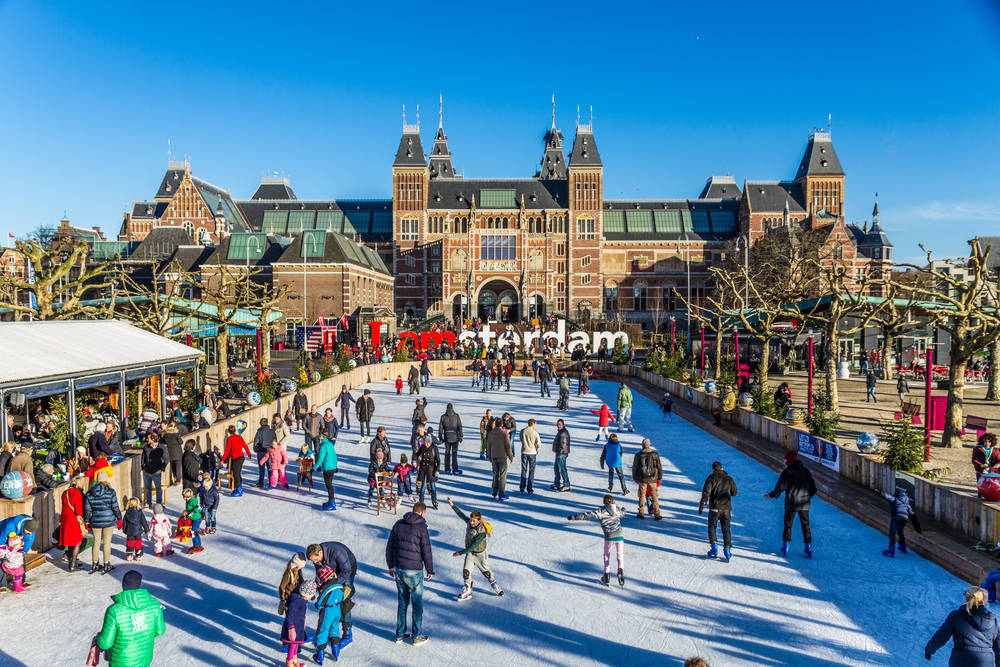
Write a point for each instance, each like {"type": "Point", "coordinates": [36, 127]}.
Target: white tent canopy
{"type": "Point", "coordinates": [37, 352]}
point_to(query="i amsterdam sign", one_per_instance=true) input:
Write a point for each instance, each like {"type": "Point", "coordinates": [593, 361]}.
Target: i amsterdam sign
{"type": "Point", "coordinates": [509, 265]}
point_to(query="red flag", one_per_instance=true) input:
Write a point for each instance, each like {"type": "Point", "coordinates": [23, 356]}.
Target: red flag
{"type": "Point", "coordinates": [10, 236]}
{"type": "Point", "coordinates": [321, 321]}
{"type": "Point", "coordinates": [343, 321]}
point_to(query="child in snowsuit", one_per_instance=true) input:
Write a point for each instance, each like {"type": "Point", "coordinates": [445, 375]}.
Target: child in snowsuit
{"type": "Point", "coordinates": [476, 532]}
{"type": "Point", "coordinates": [279, 460]}
{"type": "Point", "coordinates": [399, 385]}
{"type": "Point", "coordinates": [604, 416]}
{"type": "Point", "coordinates": [375, 467]}
{"type": "Point", "coordinates": [900, 510]}
{"type": "Point", "coordinates": [193, 513]}
{"type": "Point", "coordinates": [329, 602]}
{"type": "Point", "coordinates": [403, 471]}
{"type": "Point", "coordinates": [293, 631]}
{"type": "Point", "coordinates": [612, 456]}
{"type": "Point", "coordinates": [208, 497]}
{"type": "Point", "coordinates": [667, 405]}
{"type": "Point", "coordinates": [610, 516]}
{"type": "Point", "coordinates": [12, 557]}
{"type": "Point", "coordinates": [160, 531]}
{"type": "Point", "coordinates": [134, 525]}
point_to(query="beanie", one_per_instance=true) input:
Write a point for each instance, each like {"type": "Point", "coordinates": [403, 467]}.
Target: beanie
{"type": "Point", "coordinates": [324, 573]}
{"type": "Point", "coordinates": [791, 457]}
{"type": "Point", "coordinates": [157, 508]}
{"type": "Point", "coordinates": [308, 589]}
{"type": "Point", "coordinates": [132, 580]}
{"type": "Point", "coordinates": [298, 561]}
{"type": "Point", "coordinates": [102, 476]}
{"type": "Point", "coordinates": [31, 525]}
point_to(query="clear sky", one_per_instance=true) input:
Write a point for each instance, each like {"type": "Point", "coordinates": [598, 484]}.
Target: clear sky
{"type": "Point", "coordinates": [90, 93]}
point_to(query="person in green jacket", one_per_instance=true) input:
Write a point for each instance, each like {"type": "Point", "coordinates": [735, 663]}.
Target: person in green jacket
{"type": "Point", "coordinates": [624, 408]}
{"type": "Point", "coordinates": [326, 460]}
{"type": "Point", "coordinates": [131, 625]}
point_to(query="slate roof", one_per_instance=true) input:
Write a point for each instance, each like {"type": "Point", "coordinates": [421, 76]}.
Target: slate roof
{"type": "Point", "coordinates": [720, 187]}
{"type": "Point", "coordinates": [876, 236]}
{"type": "Point", "coordinates": [553, 160]}
{"type": "Point", "coordinates": [770, 196]}
{"type": "Point", "coordinates": [190, 258]}
{"type": "Point", "coordinates": [219, 200]}
{"type": "Point", "coordinates": [274, 188]}
{"type": "Point", "coordinates": [220, 254]}
{"type": "Point", "coordinates": [440, 162]}
{"type": "Point", "coordinates": [819, 159]}
{"type": "Point", "coordinates": [584, 149]}
{"type": "Point", "coordinates": [171, 180]}
{"type": "Point", "coordinates": [670, 219]}
{"type": "Point", "coordinates": [160, 243]}
{"type": "Point", "coordinates": [993, 258]}
{"type": "Point", "coordinates": [338, 249]}
{"type": "Point", "coordinates": [149, 210]}
{"type": "Point", "coordinates": [410, 152]}
{"type": "Point", "coordinates": [369, 218]}
{"type": "Point", "coordinates": [458, 194]}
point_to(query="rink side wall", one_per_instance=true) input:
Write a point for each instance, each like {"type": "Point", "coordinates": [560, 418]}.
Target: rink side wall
{"type": "Point", "coordinates": [962, 513]}
{"type": "Point", "coordinates": [126, 479]}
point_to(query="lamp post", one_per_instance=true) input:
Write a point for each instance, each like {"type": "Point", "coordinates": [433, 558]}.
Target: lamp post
{"type": "Point", "coordinates": [673, 334]}
{"type": "Point", "coordinates": [688, 315]}
{"type": "Point", "coordinates": [736, 343]}
{"type": "Point", "coordinates": [809, 391]}
{"type": "Point", "coordinates": [702, 351]}
{"type": "Point", "coordinates": [746, 267]}
{"type": "Point", "coordinates": [928, 374]}
{"type": "Point", "coordinates": [253, 238]}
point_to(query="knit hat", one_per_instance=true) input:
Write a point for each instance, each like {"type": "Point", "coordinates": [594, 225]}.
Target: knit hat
{"type": "Point", "coordinates": [308, 589]}
{"type": "Point", "coordinates": [324, 573]}
{"type": "Point", "coordinates": [31, 525]}
{"type": "Point", "coordinates": [791, 457]}
{"type": "Point", "coordinates": [102, 476]}
{"type": "Point", "coordinates": [131, 581]}
{"type": "Point", "coordinates": [298, 561]}
{"type": "Point", "coordinates": [157, 508]}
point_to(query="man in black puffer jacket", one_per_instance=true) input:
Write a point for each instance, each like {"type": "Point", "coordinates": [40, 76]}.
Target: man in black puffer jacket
{"type": "Point", "coordinates": [797, 483]}
{"type": "Point", "coordinates": [365, 408]}
{"type": "Point", "coordinates": [154, 461]}
{"type": "Point", "coordinates": [407, 554]}
{"type": "Point", "coordinates": [450, 429]}
{"type": "Point", "coordinates": [718, 494]}
{"type": "Point", "coordinates": [560, 447]}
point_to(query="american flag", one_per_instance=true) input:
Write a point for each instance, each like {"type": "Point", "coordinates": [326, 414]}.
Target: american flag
{"type": "Point", "coordinates": [315, 338]}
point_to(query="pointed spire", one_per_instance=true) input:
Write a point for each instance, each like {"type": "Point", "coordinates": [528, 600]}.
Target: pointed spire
{"type": "Point", "coordinates": [875, 211]}
{"type": "Point", "coordinates": [553, 160]}
{"type": "Point", "coordinates": [553, 111]}
{"type": "Point", "coordinates": [440, 162]}
{"type": "Point", "coordinates": [440, 111]}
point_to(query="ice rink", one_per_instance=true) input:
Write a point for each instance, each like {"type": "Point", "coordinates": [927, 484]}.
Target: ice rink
{"type": "Point", "coordinates": [847, 606]}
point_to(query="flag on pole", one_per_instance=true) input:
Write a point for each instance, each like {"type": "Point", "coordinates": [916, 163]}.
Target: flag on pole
{"type": "Point", "coordinates": [343, 322]}
{"type": "Point", "coordinates": [321, 321]}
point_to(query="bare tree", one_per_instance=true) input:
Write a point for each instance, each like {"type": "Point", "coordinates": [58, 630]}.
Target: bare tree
{"type": "Point", "coordinates": [231, 293]}
{"type": "Point", "coordinates": [893, 320]}
{"type": "Point", "coordinates": [160, 303]}
{"type": "Point", "coordinates": [962, 306]}
{"type": "Point", "coordinates": [267, 301]}
{"type": "Point", "coordinates": [64, 276]}
{"type": "Point", "coordinates": [715, 315]}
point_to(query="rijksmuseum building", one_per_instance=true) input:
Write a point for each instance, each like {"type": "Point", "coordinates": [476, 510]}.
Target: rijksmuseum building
{"type": "Point", "coordinates": [508, 248]}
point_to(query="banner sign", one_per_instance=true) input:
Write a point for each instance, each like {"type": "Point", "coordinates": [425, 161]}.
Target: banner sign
{"type": "Point", "coordinates": [816, 449]}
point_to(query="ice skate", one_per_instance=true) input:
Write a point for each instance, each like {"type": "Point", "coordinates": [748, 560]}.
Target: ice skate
{"type": "Point", "coordinates": [466, 593]}
{"type": "Point", "coordinates": [621, 577]}
{"type": "Point", "coordinates": [497, 589]}
{"type": "Point", "coordinates": [713, 551]}
{"type": "Point", "coordinates": [606, 579]}
{"type": "Point", "coordinates": [784, 549]}
{"type": "Point", "coordinates": [809, 550]}
{"type": "Point", "coordinates": [728, 553]}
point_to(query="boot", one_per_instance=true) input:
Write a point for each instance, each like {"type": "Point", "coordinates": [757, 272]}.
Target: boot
{"type": "Point", "coordinates": [18, 585]}
{"type": "Point", "coordinates": [784, 549]}
{"type": "Point", "coordinates": [713, 551]}
{"type": "Point", "coordinates": [466, 592]}
{"type": "Point", "coordinates": [108, 567]}
{"type": "Point", "coordinates": [728, 553]}
{"type": "Point", "coordinates": [606, 579]}
{"type": "Point", "coordinates": [496, 588]}
{"type": "Point", "coordinates": [94, 567]}
{"type": "Point", "coordinates": [891, 551]}
{"type": "Point", "coordinates": [318, 657]}
{"type": "Point", "coordinates": [809, 550]}
{"type": "Point", "coordinates": [621, 577]}
{"type": "Point", "coordinates": [902, 548]}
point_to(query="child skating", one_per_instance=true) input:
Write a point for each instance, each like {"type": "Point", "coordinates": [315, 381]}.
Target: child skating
{"type": "Point", "coordinates": [160, 531]}
{"type": "Point", "coordinates": [293, 631]}
{"type": "Point", "coordinates": [612, 456]}
{"type": "Point", "coordinates": [604, 417]}
{"type": "Point", "coordinates": [208, 497]}
{"type": "Point", "coordinates": [192, 512]}
{"type": "Point", "coordinates": [12, 561]}
{"type": "Point", "coordinates": [900, 511]}
{"type": "Point", "coordinates": [403, 472]}
{"type": "Point", "coordinates": [667, 405]}
{"type": "Point", "coordinates": [610, 516]}
{"type": "Point", "coordinates": [399, 385]}
{"type": "Point", "coordinates": [278, 458]}
{"type": "Point", "coordinates": [476, 532]}
{"type": "Point", "coordinates": [329, 602]}
{"type": "Point", "coordinates": [134, 525]}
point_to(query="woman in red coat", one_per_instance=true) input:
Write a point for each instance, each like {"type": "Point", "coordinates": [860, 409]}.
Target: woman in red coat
{"type": "Point", "coordinates": [71, 522]}
{"type": "Point", "coordinates": [235, 446]}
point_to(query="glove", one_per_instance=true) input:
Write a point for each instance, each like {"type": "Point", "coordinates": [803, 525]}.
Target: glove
{"type": "Point", "coordinates": [927, 655]}
{"type": "Point", "coordinates": [569, 518]}
{"type": "Point", "coordinates": [119, 524]}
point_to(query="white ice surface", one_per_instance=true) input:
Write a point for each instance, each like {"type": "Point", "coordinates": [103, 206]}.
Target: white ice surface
{"type": "Point", "coordinates": [847, 606]}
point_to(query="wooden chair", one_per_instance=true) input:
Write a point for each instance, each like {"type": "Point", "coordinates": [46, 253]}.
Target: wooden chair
{"type": "Point", "coordinates": [911, 410]}
{"type": "Point", "coordinates": [227, 476]}
{"type": "Point", "coordinates": [978, 423]}
{"type": "Point", "coordinates": [305, 473]}
{"type": "Point", "coordinates": [385, 492]}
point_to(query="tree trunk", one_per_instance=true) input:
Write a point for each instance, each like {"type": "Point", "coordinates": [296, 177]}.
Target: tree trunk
{"type": "Point", "coordinates": [956, 397]}
{"type": "Point", "coordinates": [222, 343]}
{"type": "Point", "coordinates": [888, 371]}
{"type": "Point", "coordinates": [718, 354]}
{"type": "Point", "coordinates": [830, 340]}
{"type": "Point", "coordinates": [265, 348]}
{"type": "Point", "coordinates": [765, 355]}
{"type": "Point", "coordinates": [993, 391]}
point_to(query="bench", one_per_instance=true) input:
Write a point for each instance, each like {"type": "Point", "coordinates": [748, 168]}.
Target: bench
{"type": "Point", "coordinates": [911, 410]}
{"type": "Point", "coordinates": [978, 423]}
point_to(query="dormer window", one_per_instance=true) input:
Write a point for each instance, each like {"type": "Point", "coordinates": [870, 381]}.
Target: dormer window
{"type": "Point", "coordinates": [822, 163]}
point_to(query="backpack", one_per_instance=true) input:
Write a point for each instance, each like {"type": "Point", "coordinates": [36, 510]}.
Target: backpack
{"type": "Point", "coordinates": [647, 470]}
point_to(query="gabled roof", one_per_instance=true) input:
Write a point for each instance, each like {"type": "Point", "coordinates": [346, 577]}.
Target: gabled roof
{"type": "Point", "coordinates": [993, 258]}
{"type": "Point", "coordinates": [553, 160]}
{"type": "Point", "coordinates": [190, 258]}
{"type": "Point", "coordinates": [160, 243]}
{"type": "Point", "coordinates": [440, 163]}
{"type": "Point", "coordinates": [410, 152]}
{"type": "Point", "coordinates": [720, 187]}
{"type": "Point", "coordinates": [148, 210]}
{"type": "Point", "coordinates": [537, 194]}
{"type": "Point", "coordinates": [584, 149]}
{"type": "Point", "coordinates": [819, 159]}
{"type": "Point", "coordinates": [330, 248]}
{"type": "Point", "coordinates": [171, 180]}
{"type": "Point", "coordinates": [770, 196]}
{"type": "Point", "coordinates": [274, 188]}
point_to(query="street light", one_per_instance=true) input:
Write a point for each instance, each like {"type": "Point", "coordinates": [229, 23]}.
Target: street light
{"type": "Point", "coordinates": [746, 266]}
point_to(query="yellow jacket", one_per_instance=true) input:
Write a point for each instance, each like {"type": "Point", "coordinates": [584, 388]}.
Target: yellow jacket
{"type": "Point", "coordinates": [729, 401]}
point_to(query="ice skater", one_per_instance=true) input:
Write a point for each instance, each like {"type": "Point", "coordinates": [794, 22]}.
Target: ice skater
{"type": "Point", "coordinates": [293, 631]}
{"type": "Point", "coordinates": [604, 417]}
{"type": "Point", "coordinates": [612, 456]}
{"type": "Point", "coordinates": [900, 511]}
{"type": "Point", "coordinates": [344, 400]}
{"type": "Point", "coordinates": [610, 515]}
{"type": "Point", "coordinates": [330, 599]}
{"type": "Point", "coordinates": [624, 408]}
{"type": "Point", "coordinates": [476, 532]}
{"type": "Point", "coordinates": [798, 485]}
{"type": "Point", "coordinates": [718, 494]}
{"type": "Point", "coordinates": [134, 525]}
{"type": "Point", "coordinates": [160, 531]}
{"type": "Point", "coordinates": [667, 406]}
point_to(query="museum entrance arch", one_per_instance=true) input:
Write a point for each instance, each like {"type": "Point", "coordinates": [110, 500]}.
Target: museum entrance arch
{"type": "Point", "coordinates": [498, 302]}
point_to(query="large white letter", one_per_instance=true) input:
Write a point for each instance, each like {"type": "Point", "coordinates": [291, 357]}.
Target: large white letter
{"type": "Point", "coordinates": [529, 338]}
{"type": "Point", "coordinates": [466, 336]}
{"type": "Point", "coordinates": [486, 335]}
{"type": "Point", "coordinates": [577, 339]}
{"type": "Point", "coordinates": [610, 338]}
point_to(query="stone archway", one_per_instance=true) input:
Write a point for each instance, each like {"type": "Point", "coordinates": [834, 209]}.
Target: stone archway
{"type": "Point", "coordinates": [497, 300]}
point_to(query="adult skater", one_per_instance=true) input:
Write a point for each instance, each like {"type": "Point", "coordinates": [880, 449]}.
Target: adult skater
{"type": "Point", "coordinates": [300, 405]}
{"type": "Point", "coordinates": [530, 444]}
{"type": "Point", "coordinates": [563, 403]}
{"type": "Point", "coordinates": [419, 416]}
{"type": "Point", "coordinates": [718, 494]}
{"type": "Point", "coordinates": [797, 483]}
{"type": "Point", "coordinates": [450, 430]}
{"type": "Point", "coordinates": [365, 409]}
{"type": "Point", "coordinates": [647, 472]}
{"type": "Point", "coordinates": [312, 424]}
{"type": "Point", "coordinates": [544, 374]}
{"type": "Point", "coordinates": [974, 630]}
{"type": "Point", "coordinates": [425, 373]}
{"type": "Point", "coordinates": [263, 439]}
{"type": "Point", "coordinates": [381, 442]}
{"type": "Point", "coordinates": [560, 447]}
{"type": "Point", "coordinates": [344, 400]}
{"type": "Point", "coordinates": [343, 561]}
{"type": "Point", "coordinates": [427, 460]}
{"type": "Point", "coordinates": [624, 408]}
{"type": "Point", "coordinates": [131, 625]}
{"type": "Point", "coordinates": [485, 426]}
{"type": "Point", "coordinates": [326, 460]}
{"type": "Point", "coordinates": [499, 452]}
{"type": "Point", "coordinates": [413, 378]}
{"type": "Point", "coordinates": [476, 533]}
{"type": "Point", "coordinates": [407, 554]}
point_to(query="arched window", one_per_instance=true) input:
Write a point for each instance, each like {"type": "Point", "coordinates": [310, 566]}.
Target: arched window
{"type": "Point", "coordinates": [639, 293]}
{"type": "Point", "coordinates": [189, 228]}
{"type": "Point", "coordinates": [611, 296]}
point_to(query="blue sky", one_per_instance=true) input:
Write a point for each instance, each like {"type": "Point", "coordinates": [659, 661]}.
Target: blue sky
{"type": "Point", "coordinates": [91, 92]}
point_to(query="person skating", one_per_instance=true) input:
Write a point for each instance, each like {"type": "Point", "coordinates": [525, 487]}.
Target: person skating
{"type": "Point", "coordinates": [563, 403]}
{"type": "Point", "coordinates": [624, 408]}
{"type": "Point", "coordinates": [326, 461]}
{"type": "Point", "coordinates": [328, 427]}
{"type": "Point", "coordinates": [344, 563]}
{"type": "Point", "coordinates": [407, 554]}
{"type": "Point", "coordinates": [798, 485]}
{"type": "Point", "coordinates": [365, 409]}
{"type": "Point", "coordinates": [134, 525]}
{"type": "Point", "coordinates": [718, 494]}
{"type": "Point", "coordinates": [647, 472]}
{"type": "Point", "coordinates": [531, 443]}
{"type": "Point", "coordinates": [419, 416]}
{"type": "Point", "coordinates": [131, 625]}
{"type": "Point", "coordinates": [974, 630]}
{"type": "Point", "coordinates": [560, 447]}
{"type": "Point", "coordinates": [208, 497]}
{"type": "Point", "coordinates": [612, 456]}
{"type": "Point", "coordinates": [344, 400]}
{"type": "Point", "coordinates": [485, 426]}
{"type": "Point", "coordinates": [428, 462]}
{"type": "Point", "coordinates": [667, 406]}
{"type": "Point", "coordinates": [413, 378]}
{"type": "Point", "coordinates": [375, 467]}
{"type": "Point", "coordinates": [403, 471]}
{"type": "Point", "coordinates": [263, 440]}
{"type": "Point", "coordinates": [900, 511]}
{"type": "Point", "coordinates": [476, 533]}
{"type": "Point", "coordinates": [610, 515]}
{"type": "Point", "coordinates": [277, 459]}
{"type": "Point", "coordinates": [425, 373]}
{"type": "Point", "coordinates": [293, 630]}
{"type": "Point", "coordinates": [450, 430]}
{"type": "Point", "coordinates": [102, 513]}
{"type": "Point", "coordinates": [235, 448]}
{"type": "Point", "coordinates": [192, 511]}
{"type": "Point", "coordinates": [870, 384]}
{"type": "Point", "coordinates": [604, 417]}
{"type": "Point", "coordinates": [544, 374]}
{"type": "Point", "coordinates": [12, 561]}
{"type": "Point", "coordinates": [300, 404]}
{"type": "Point", "coordinates": [160, 531]}
{"type": "Point", "coordinates": [399, 385]}
{"type": "Point", "coordinates": [331, 599]}
{"type": "Point", "coordinates": [380, 443]}
{"type": "Point", "coordinates": [500, 454]}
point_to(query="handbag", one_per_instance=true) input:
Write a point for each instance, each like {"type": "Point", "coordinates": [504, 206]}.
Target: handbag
{"type": "Point", "coordinates": [94, 656]}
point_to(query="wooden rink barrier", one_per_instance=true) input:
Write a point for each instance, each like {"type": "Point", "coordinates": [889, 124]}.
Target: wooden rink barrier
{"type": "Point", "coordinates": [126, 478]}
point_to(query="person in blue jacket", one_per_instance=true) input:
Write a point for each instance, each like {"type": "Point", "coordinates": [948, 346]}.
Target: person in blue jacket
{"type": "Point", "coordinates": [24, 525]}
{"type": "Point", "coordinates": [900, 511]}
{"type": "Point", "coordinates": [293, 630]}
{"type": "Point", "coordinates": [612, 456]}
{"type": "Point", "coordinates": [974, 632]}
{"type": "Point", "coordinates": [326, 460]}
{"type": "Point", "coordinates": [343, 562]}
{"type": "Point", "coordinates": [328, 602]}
